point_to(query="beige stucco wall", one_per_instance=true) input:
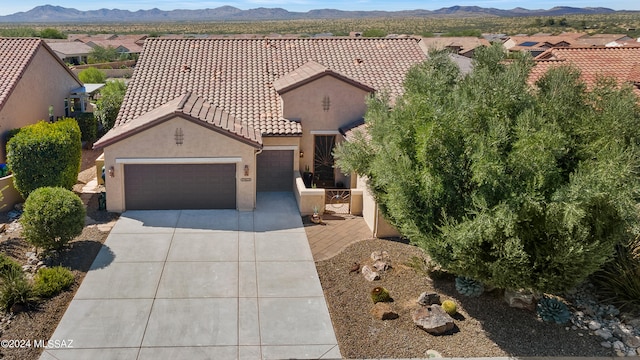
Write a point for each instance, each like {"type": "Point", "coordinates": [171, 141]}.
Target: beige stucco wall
{"type": "Point", "coordinates": [45, 82]}
{"type": "Point", "coordinates": [199, 142]}
{"type": "Point", "coordinates": [379, 226]}
{"type": "Point", "coordinates": [347, 104]}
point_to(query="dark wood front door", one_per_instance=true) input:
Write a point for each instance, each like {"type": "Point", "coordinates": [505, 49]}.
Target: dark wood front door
{"type": "Point", "coordinates": [323, 160]}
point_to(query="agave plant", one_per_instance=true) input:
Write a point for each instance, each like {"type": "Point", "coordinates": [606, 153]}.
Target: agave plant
{"type": "Point", "coordinates": [553, 310]}
{"type": "Point", "coordinates": [469, 287]}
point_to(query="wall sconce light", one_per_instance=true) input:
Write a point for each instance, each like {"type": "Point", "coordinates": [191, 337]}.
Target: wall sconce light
{"type": "Point", "coordinates": [111, 171]}
{"type": "Point", "coordinates": [301, 153]}
{"type": "Point", "coordinates": [246, 170]}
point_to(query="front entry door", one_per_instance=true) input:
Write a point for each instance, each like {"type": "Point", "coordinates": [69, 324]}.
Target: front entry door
{"type": "Point", "coordinates": [323, 160]}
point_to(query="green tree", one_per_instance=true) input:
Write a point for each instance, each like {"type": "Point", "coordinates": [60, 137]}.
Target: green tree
{"type": "Point", "coordinates": [92, 76]}
{"type": "Point", "coordinates": [45, 154]}
{"type": "Point", "coordinates": [513, 187]}
{"type": "Point", "coordinates": [108, 106]}
{"type": "Point", "coordinates": [52, 217]}
{"type": "Point", "coordinates": [100, 54]}
{"type": "Point", "coordinates": [50, 33]}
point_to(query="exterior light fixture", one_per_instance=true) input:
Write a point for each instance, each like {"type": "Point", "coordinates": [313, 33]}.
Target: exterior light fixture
{"type": "Point", "coordinates": [111, 171]}
{"type": "Point", "coordinates": [246, 170]}
{"type": "Point", "coordinates": [301, 153]}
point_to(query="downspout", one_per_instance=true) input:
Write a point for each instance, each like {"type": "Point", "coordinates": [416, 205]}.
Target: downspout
{"type": "Point", "coordinates": [255, 183]}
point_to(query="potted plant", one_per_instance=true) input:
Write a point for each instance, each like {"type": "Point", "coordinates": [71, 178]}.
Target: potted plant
{"type": "Point", "coordinates": [315, 218]}
{"type": "Point", "coordinates": [307, 176]}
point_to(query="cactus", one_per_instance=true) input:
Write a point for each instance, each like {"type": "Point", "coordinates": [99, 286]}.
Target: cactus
{"type": "Point", "coordinates": [380, 294]}
{"type": "Point", "coordinates": [469, 287]}
{"type": "Point", "coordinates": [450, 307]}
{"type": "Point", "coordinates": [553, 310]}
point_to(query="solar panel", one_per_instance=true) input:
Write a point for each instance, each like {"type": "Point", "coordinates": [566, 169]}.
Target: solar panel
{"type": "Point", "coordinates": [528, 43]}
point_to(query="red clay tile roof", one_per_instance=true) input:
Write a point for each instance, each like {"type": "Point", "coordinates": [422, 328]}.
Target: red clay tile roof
{"type": "Point", "coordinates": [309, 72]}
{"type": "Point", "coordinates": [238, 75]}
{"type": "Point", "coordinates": [15, 56]}
{"type": "Point", "coordinates": [621, 63]}
{"type": "Point", "coordinates": [191, 107]}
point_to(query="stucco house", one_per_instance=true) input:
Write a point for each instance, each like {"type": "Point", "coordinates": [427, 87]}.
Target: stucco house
{"type": "Point", "coordinates": [208, 123]}
{"type": "Point", "coordinates": [32, 78]}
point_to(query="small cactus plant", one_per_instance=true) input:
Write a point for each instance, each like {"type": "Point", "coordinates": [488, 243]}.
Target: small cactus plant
{"type": "Point", "coordinates": [450, 307]}
{"type": "Point", "coordinates": [553, 310]}
{"type": "Point", "coordinates": [468, 286]}
{"type": "Point", "coordinates": [380, 294]}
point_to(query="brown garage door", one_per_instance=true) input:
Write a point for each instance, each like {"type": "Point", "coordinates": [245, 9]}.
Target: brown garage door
{"type": "Point", "coordinates": [180, 186]}
{"type": "Point", "coordinates": [275, 170]}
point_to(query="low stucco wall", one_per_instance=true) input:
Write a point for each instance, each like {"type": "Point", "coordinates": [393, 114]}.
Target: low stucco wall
{"type": "Point", "coordinates": [306, 198]}
{"type": "Point", "coordinates": [372, 215]}
{"type": "Point", "coordinates": [10, 196]}
{"type": "Point", "coordinates": [99, 165]}
{"type": "Point", "coordinates": [356, 202]}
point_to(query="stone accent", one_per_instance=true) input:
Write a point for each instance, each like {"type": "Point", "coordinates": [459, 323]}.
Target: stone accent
{"type": "Point", "coordinates": [433, 319]}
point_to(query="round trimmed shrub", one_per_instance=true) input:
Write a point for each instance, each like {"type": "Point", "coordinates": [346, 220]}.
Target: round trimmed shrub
{"type": "Point", "coordinates": [45, 154]}
{"type": "Point", "coordinates": [52, 217]}
{"type": "Point", "coordinates": [50, 282]}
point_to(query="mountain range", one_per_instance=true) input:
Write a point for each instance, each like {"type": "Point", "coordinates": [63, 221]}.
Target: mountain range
{"type": "Point", "coordinates": [58, 14]}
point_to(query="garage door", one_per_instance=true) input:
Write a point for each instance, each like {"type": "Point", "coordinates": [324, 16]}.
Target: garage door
{"type": "Point", "coordinates": [180, 186]}
{"type": "Point", "coordinates": [275, 170]}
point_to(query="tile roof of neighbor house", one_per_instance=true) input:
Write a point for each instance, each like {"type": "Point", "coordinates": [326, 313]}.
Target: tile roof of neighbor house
{"type": "Point", "coordinates": [191, 107]}
{"type": "Point", "coordinates": [238, 75]}
{"type": "Point", "coordinates": [309, 72]}
{"type": "Point", "coordinates": [465, 43]}
{"type": "Point", "coordinates": [621, 63]}
{"type": "Point", "coordinates": [15, 56]}
{"type": "Point", "coordinates": [70, 48]}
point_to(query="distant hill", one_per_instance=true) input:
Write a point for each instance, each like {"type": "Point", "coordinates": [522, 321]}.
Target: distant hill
{"type": "Point", "coordinates": [50, 14]}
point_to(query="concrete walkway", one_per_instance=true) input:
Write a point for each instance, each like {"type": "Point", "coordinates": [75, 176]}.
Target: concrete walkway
{"type": "Point", "coordinates": [336, 233]}
{"type": "Point", "coordinates": [202, 284]}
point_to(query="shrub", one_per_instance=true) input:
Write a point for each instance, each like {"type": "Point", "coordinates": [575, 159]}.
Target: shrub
{"type": "Point", "coordinates": [92, 75]}
{"type": "Point", "coordinates": [88, 126]}
{"type": "Point", "coordinates": [618, 281]}
{"type": "Point", "coordinates": [49, 282]}
{"type": "Point", "coordinates": [7, 265]}
{"type": "Point", "coordinates": [15, 289]}
{"type": "Point", "coordinates": [380, 294]}
{"type": "Point", "coordinates": [553, 310]}
{"type": "Point", "coordinates": [45, 154]}
{"type": "Point", "coordinates": [52, 217]}
{"type": "Point", "coordinates": [108, 105]}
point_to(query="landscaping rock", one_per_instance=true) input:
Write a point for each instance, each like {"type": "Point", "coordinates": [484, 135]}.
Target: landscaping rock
{"type": "Point", "coordinates": [606, 344]}
{"type": "Point", "coordinates": [520, 299]}
{"type": "Point", "coordinates": [381, 265]}
{"type": "Point", "coordinates": [604, 333]}
{"type": "Point", "coordinates": [594, 325]}
{"type": "Point", "coordinates": [432, 354]}
{"type": "Point", "coordinates": [369, 274]}
{"type": "Point", "coordinates": [380, 256]}
{"type": "Point", "coordinates": [433, 319]}
{"type": "Point", "coordinates": [383, 311]}
{"type": "Point", "coordinates": [426, 299]}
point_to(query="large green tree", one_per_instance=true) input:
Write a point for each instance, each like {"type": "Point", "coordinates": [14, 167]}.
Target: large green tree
{"type": "Point", "coordinates": [516, 186]}
{"type": "Point", "coordinates": [108, 105]}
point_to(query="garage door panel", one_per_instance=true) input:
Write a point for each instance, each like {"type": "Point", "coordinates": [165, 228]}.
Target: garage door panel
{"type": "Point", "coordinates": [180, 186]}
{"type": "Point", "coordinates": [275, 170]}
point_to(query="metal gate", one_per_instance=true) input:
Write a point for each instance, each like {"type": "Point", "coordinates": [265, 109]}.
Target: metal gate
{"type": "Point", "coordinates": [337, 201]}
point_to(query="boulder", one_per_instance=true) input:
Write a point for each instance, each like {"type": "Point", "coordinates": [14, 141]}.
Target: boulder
{"type": "Point", "coordinates": [383, 311]}
{"type": "Point", "coordinates": [381, 265]}
{"type": "Point", "coordinates": [426, 299]}
{"type": "Point", "coordinates": [520, 299]}
{"type": "Point", "coordinates": [369, 274]}
{"type": "Point", "coordinates": [433, 319]}
{"type": "Point", "coordinates": [380, 256]}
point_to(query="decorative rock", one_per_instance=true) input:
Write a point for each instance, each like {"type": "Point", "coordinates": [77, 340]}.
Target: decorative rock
{"type": "Point", "coordinates": [432, 354]}
{"type": "Point", "coordinates": [30, 254]}
{"type": "Point", "coordinates": [520, 299]}
{"type": "Point", "coordinates": [620, 353]}
{"type": "Point", "coordinates": [604, 333]}
{"type": "Point", "coordinates": [631, 341]}
{"type": "Point", "coordinates": [381, 265]}
{"type": "Point", "coordinates": [606, 344]}
{"type": "Point", "coordinates": [380, 256]}
{"type": "Point", "coordinates": [383, 311]}
{"type": "Point", "coordinates": [594, 325]}
{"type": "Point", "coordinates": [433, 319]}
{"type": "Point", "coordinates": [369, 274]}
{"type": "Point", "coordinates": [33, 260]}
{"type": "Point", "coordinates": [618, 345]}
{"type": "Point", "coordinates": [426, 299]}
{"type": "Point", "coordinates": [631, 352]}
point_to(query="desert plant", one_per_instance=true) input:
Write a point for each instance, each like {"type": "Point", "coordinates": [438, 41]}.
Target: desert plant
{"type": "Point", "coordinates": [45, 154]}
{"type": "Point", "coordinates": [15, 289]}
{"type": "Point", "coordinates": [450, 307]}
{"type": "Point", "coordinates": [553, 310]}
{"type": "Point", "coordinates": [52, 217]}
{"type": "Point", "coordinates": [49, 282]}
{"type": "Point", "coordinates": [469, 287]}
{"type": "Point", "coordinates": [618, 281]}
{"type": "Point", "coordinates": [380, 294]}
{"type": "Point", "coordinates": [7, 265]}
{"type": "Point", "coordinates": [92, 75]}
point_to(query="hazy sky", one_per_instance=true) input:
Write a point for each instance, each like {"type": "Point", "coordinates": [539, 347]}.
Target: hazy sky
{"type": "Point", "coordinates": [10, 7]}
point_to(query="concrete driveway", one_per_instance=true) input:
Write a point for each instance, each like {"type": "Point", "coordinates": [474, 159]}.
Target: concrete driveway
{"type": "Point", "coordinates": [201, 284]}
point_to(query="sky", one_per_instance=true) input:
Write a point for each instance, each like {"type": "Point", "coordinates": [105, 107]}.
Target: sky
{"type": "Point", "coordinates": [10, 6]}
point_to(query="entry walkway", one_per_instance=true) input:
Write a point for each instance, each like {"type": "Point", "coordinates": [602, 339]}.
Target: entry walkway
{"type": "Point", "coordinates": [202, 284]}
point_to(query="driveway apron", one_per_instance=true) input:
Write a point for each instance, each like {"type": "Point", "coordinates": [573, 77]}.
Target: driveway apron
{"type": "Point", "coordinates": [201, 284]}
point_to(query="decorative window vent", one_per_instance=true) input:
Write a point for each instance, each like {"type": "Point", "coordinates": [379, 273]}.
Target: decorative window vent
{"type": "Point", "coordinates": [179, 136]}
{"type": "Point", "coordinates": [326, 103]}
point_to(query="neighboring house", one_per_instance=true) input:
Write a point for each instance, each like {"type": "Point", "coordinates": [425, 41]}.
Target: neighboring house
{"type": "Point", "coordinates": [539, 43]}
{"type": "Point", "coordinates": [464, 45]}
{"type": "Point", "coordinates": [71, 52]}
{"type": "Point", "coordinates": [621, 63]}
{"type": "Point", "coordinates": [208, 123]}
{"type": "Point", "coordinates": [32, 78]}
{"type": "Point", "coordinates": [603, 40]}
